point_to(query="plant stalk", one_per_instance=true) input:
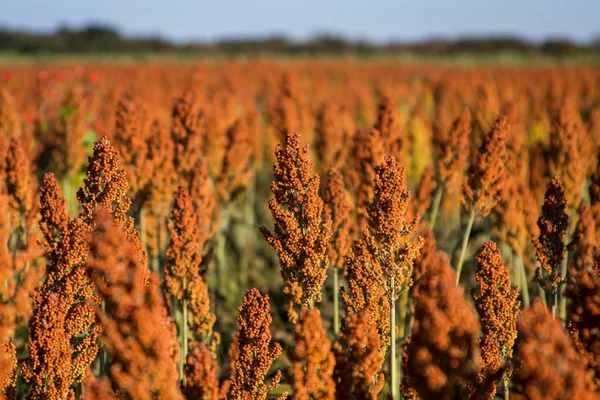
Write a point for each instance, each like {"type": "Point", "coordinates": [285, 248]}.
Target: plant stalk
{"type": "Point", "coordinates": [561, 289]}
{"type": "Point", "coordinates": [465, 242]}
{"type": "Point", "coordinates": [336, 305]}
{"type": "Point", "coordinates": [436, 206]}
{"type": "Point", "coordinates": [184, 331]}
{"type": "Point", "coordinates": [394, 382]}
{"type": "Point", "coordinates": [524, 284]}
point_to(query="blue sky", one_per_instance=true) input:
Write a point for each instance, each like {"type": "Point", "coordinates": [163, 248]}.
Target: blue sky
{"type": "Point", "coordinates": [378, 20]}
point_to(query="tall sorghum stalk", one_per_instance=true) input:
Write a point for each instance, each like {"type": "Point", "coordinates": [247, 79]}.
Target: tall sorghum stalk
{"type": "Point", "coordinates": [337, 209]}
{"type": "Point", "coordinates": [452, 150]}
{"type": "Point", "coordinates": [136, 327]}
{"type": "Point", "coordinates": [367, 152]}
{"type": "Point", "coordinates": [441, 354]}
{"type": "Point", "coordinates": [63, 329]}
{"type": "Point", "coordinates": [515, 225]}
{"type": "Point", "coordinates": [302, 232]}
{"type": "Point", "coordinates": [484, 181]}
{"type": "Point", "coordinates": [543, 351]}
{"type": "Point", "coordinates": [583, 309]}
{"type": "Point", "coordinates": [498, 308]}
{"type": "Point", "coordinates": [550, 248]}
{"type": "Point", "coordinates": [182, 270]}
{"type": "Point", "coordinates": [106, 186]}
{"type": "Point", "coordinates": [384, 255]}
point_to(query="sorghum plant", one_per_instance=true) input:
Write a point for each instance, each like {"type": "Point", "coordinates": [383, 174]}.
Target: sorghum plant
{"type": "Point", "coordinates": [583, 312]}
{"type": "Point", "coordinates": [358, 362]}
{"type": "Point", "coordinates": [201, 372]}
{"type": "Point", "coordinates": [452, 152]}
{"type": "Point", "coordinates": [337, 209]}
{"type": "Point", "coordinates": [498, 308]}
{"type": "Point", "coordinates": [313, 360]}
{"type": "Point", "coordinates": [484, 180]}
{"type": "Point", "coordinates": [384, 255]}
{"type": "Point", "coordinates": [182, 272]}
{"type": "Point", "coordinates": [255, 354]}
{"type": "Point", "coordinates": [442, 354]}
{"type": "Point", "coordinates": [548, 366]}
{"type": "Point", "coordinates": [136, 332]}
{"type": "Point", "coordinates": [301, 233]}
{"type": "Point", "coordinates": [106, 186]}
{"type": "Point", "coordinates": [550, 245]}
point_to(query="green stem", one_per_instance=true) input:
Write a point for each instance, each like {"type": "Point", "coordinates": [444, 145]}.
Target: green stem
{"type": "Point", "coordinates": [221, 263]}
{"type": "Point", "coordinates": [143, 226]}
{"type": "Point", "coordinates": [561, 289]}
{"type": "Point", "coordinates": [336, 305]}
{"type": "Point", "coordinates": [542, 295]}
{"type": "Point", "coordinates": [436, 205]}
{"type": "Point", "coordinates": [184, 331]}
{"type": "Point", "coordinates": [403, 314]}
{"type": "Point", "coordinates": [394, 382]}
{"type": "Point", "coordinates": [524, 284]}
{"type": "Point", "coordinates": [103, 356]}
{"type": "Point", "coordinates": [465, 241]}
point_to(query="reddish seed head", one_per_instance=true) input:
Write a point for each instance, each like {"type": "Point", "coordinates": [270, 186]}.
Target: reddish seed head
{"type": "Point", "coordinates": [486, 173]}
{"type": "Point", "coordinates": [302, 233]}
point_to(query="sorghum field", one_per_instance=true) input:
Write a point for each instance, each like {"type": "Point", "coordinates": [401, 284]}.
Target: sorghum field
{"type": "Point", "coordinates": [311, 229]}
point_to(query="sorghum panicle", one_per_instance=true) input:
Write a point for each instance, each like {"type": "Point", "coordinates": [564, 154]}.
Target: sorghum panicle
{"type": "Point", "coordinates": [486, 173]}
{"type": "Point", "coordinates": [367, 151]}
{"type": "Point", "coordinates": [550, 246]}
{"type": "Point", "coordinates": [583, 312]}
{"type": "Point", "coordinates": [313, 360]}
{"type": "Point", "coordinates": [236, 172]}
{"type": "Point", "coordinates": [301, 233]}
{"type": "Point", "coordinates": [358, 363]}
{"type": "Point", "coordinates": [255, 354]}
{"type": "Point", "coordinates": [498, 308]}
{"type": "Point", "coordinates": [201, 372]}
{"type": "Point", "coordinates": [136, 329]}
{"type": "Point", "coordinates": [106, 186]}
{"type": "Point", "coordinates": [453, 152]}
{"type": "Point", "coordinates": [337, 209]}
{"type": "Point", "coordinates": [566, 152]}
{"type": "Point", "coordinates": [548, 366]}
{"type": "Point", "coordinates": [54, 218]}
{"type": "Point", "coordinates": [442, 354]}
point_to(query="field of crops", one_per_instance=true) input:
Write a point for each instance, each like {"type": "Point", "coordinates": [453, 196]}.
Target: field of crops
{"type": "Point", "coordinates": [321, 230]}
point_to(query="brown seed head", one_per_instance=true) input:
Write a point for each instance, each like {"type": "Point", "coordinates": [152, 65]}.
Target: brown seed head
{"type": "Point", "coordinates": [337, 209]}
{"type": "Point", "coordinates": [255, 354]}
{"type": "Point", "coordinates": [453, 152]}
{"type": "Point", "coordinates": [53, 212]}
{"type": "Point", "coordinates": [367, 152]}
{"type": "Point", "coordinates": [136, 332]}
{"type": "Point", "coordinates": [106, 186]}
{"type": "Point", "coordinates": [486, 173]}
{"type": "Point", "coordinates": [498, 308]}
{"type": "Point", "coordinates": [201, 372]}
{"type": "Point", "coordinates": [313, 360]}
{"type": "Point", "coordinates": [548, 366]}
{"type": "Point", "coordinates": [301, 233]}
{"type": "Point", "coordinates": [442, 354]}
{"type": "Point", "coordinates": [583, 313]}
{"type": "Point", "coordinates": [236, 173]}
{"type": "Point", "coordinates": [567, 152]}
{"type": "Point", "coordinates": [358, 363]}
{"type": "Point", "coordinates": [553, 223]}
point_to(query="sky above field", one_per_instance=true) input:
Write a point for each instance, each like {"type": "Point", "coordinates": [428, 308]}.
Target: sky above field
{"type": "Point", "coordinates": [376, 20]}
